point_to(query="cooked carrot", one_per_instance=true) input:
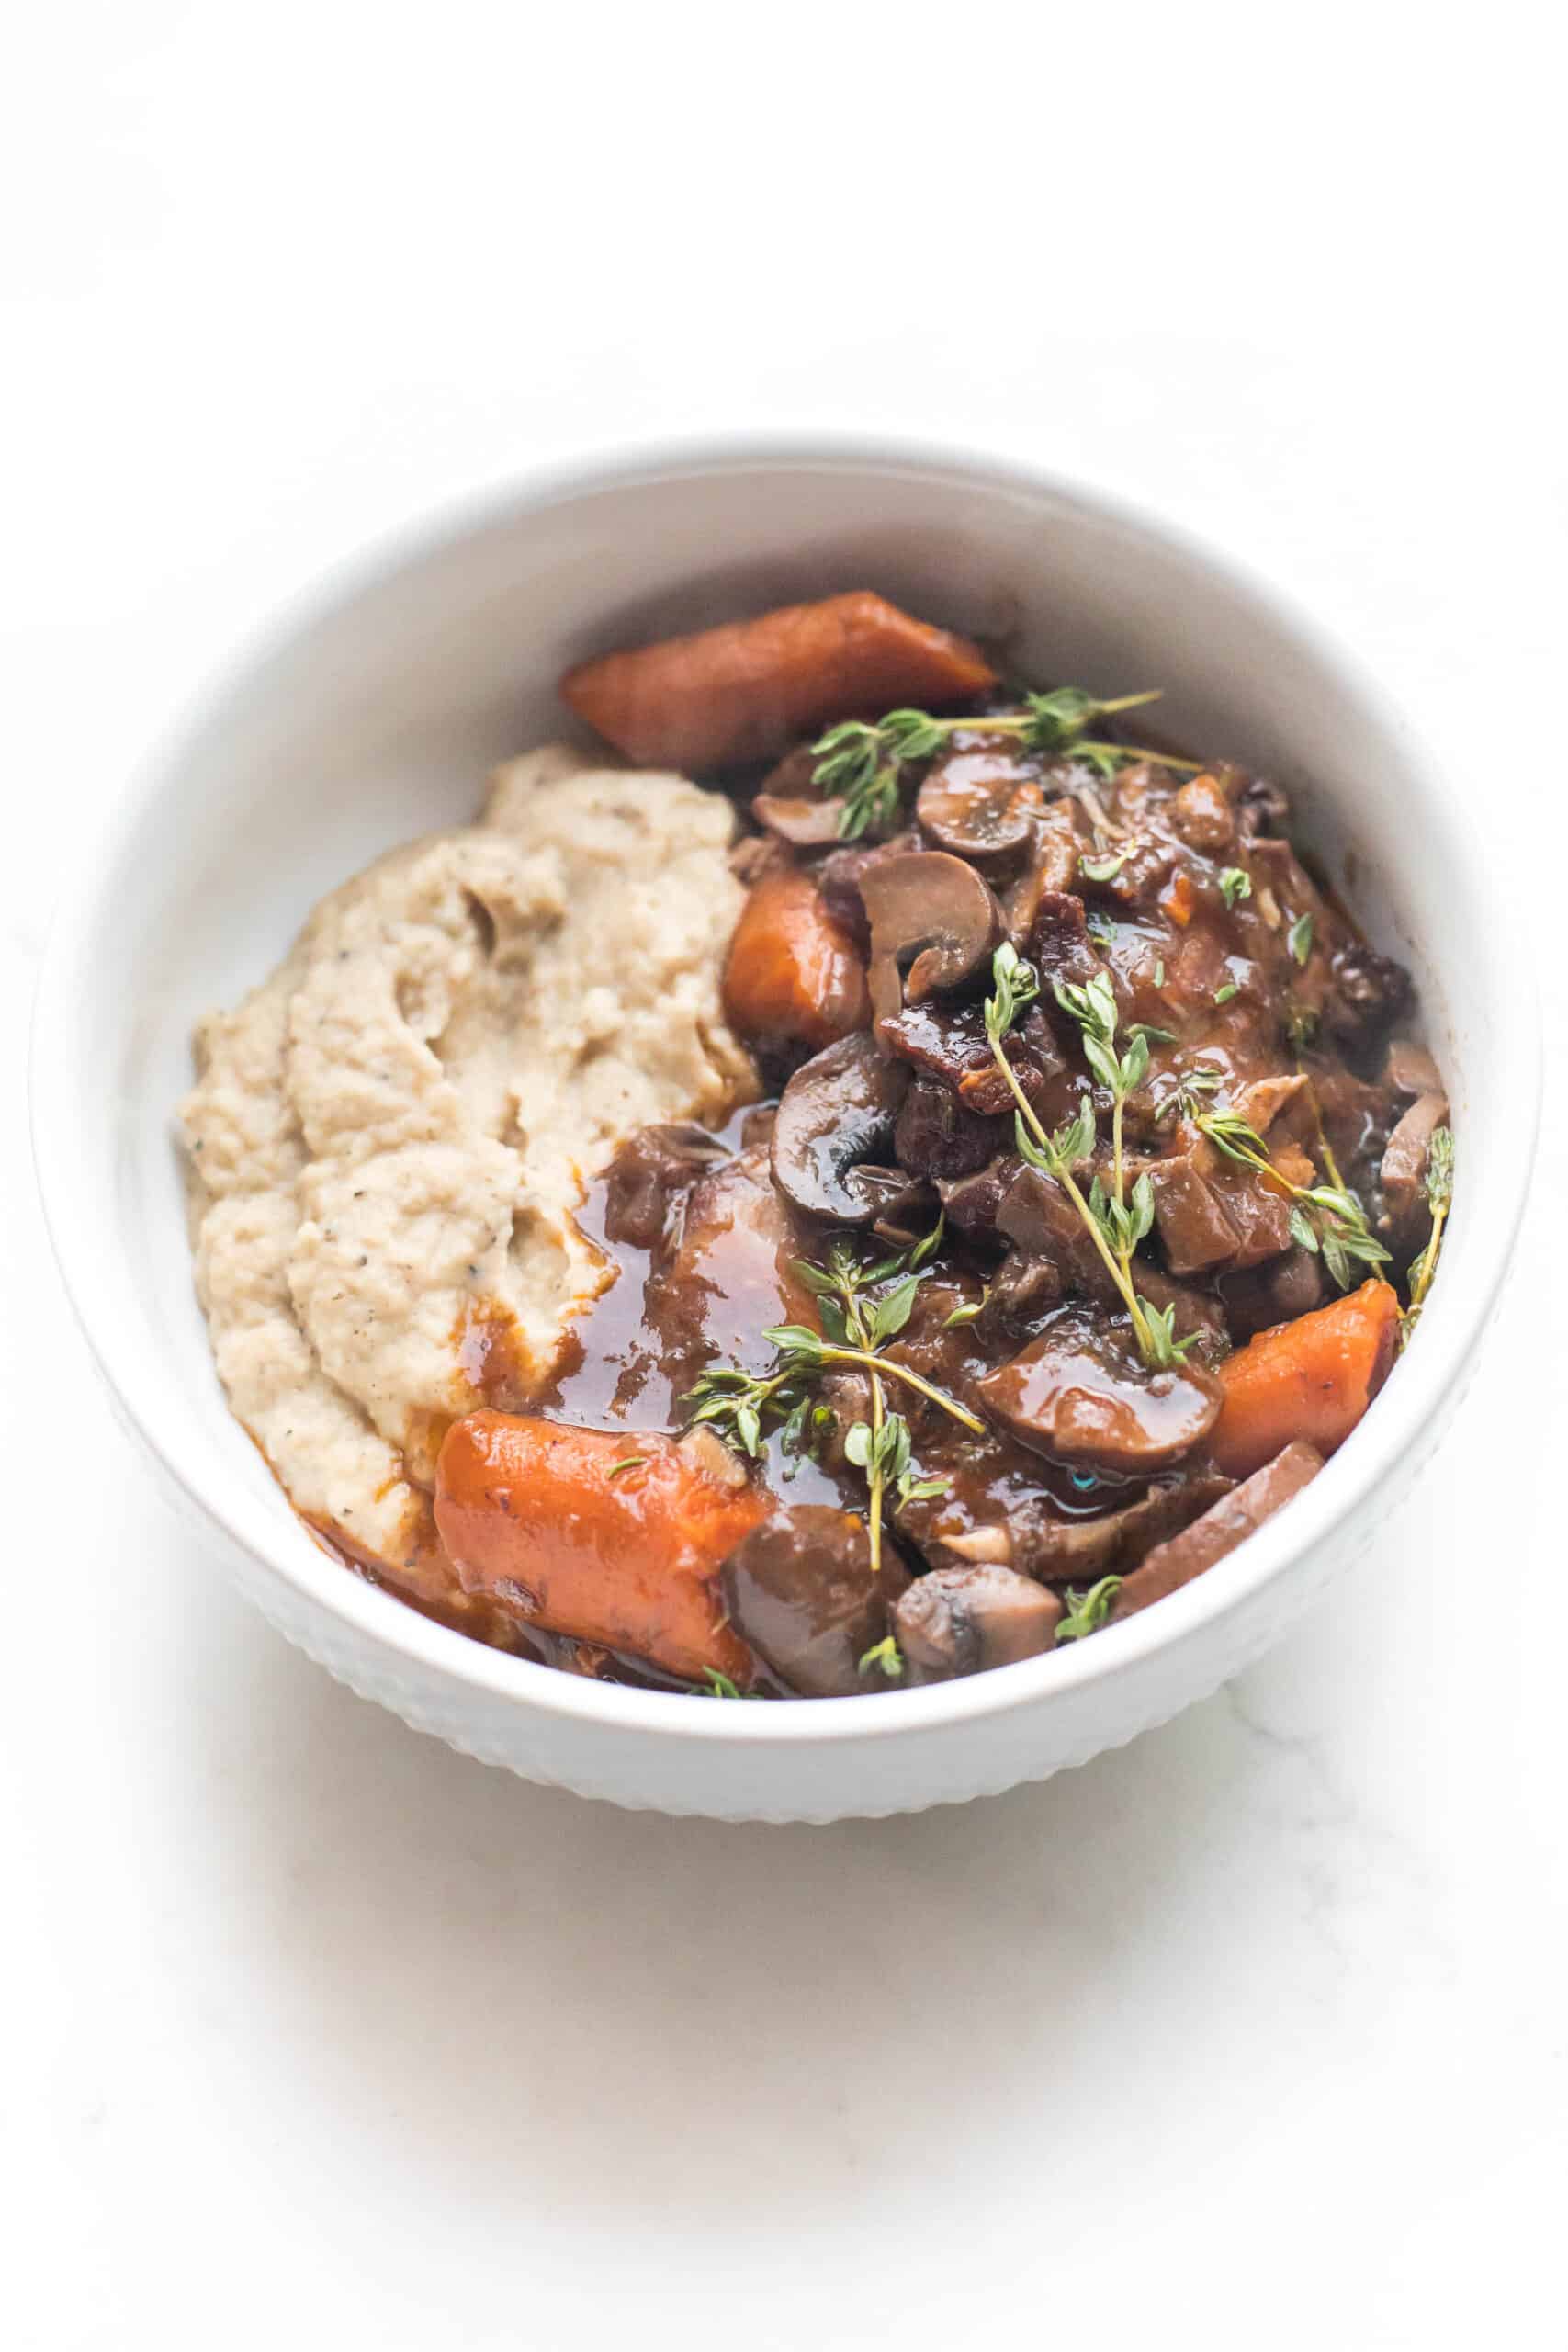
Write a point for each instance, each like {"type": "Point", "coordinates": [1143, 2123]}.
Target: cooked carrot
{"type": "Point", "coordinates": [794, 976]}
{"type": "Point", "coordinates": [614, 1538]}
{"type": "Point", "coordinates": [745, 691]}
{"type": "Point", "coordinates": [1313, 1379]}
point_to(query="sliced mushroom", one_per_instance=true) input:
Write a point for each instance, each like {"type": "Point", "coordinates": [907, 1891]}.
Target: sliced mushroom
{"type": "Point", "coordinates": [1077, 1394]}
{"type": "Point", "coordinates": [933, 913]}
{"type": "Point", "coordinates": [1227, 1523]}
{"type": "Point", "coordinates": [1410, 1070]}
{"type": "Point", "coordinates": [980, 806]}
{"type": "Point", "coordinates": [962, 1621]}
{"type": "Point", "coordinates": [800, 1591]}
{"type": "Point", "coordinates": [837, 1113]}
{"type": "Point", "coordinates": [1404, 1168]}
{"type": "Point", "coordinates": [810, 824]}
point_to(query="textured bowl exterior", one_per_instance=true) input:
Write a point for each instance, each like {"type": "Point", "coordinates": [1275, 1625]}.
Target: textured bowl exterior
{"type": "Point", "coordinates": [373, 716]}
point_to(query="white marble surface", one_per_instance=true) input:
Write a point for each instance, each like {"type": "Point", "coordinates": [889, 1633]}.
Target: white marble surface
{"type": "Point", "coordinates": [317, 2033]}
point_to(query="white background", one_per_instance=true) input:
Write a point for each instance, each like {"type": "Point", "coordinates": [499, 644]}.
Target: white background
{"type": "Point", "coordinates": [320, 2035]}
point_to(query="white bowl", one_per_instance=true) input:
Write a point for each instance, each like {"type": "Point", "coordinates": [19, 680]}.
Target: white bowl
{"type": "Point", "coordinates": [373, 713]}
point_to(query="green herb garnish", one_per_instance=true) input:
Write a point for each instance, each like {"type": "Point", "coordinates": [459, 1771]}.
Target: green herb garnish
{"type": "Point", "coordinates": [1298, 939]}
{"type": "Point", "coordinates": [1439, 1200]}
{"type": "Point", "coordinates": [1326, 1219]}
{"type": "Point", "coordinates": [859, 1317]}
{"type": "Point", "coordinates": [884, 1653]}
{"type": "Point", "coordinates": [1235, 883]}
{"type": "Point", "coordinates": [861, 762]}
{"type": "Point", "coordinates": [1114, 1221]}
{"type": "Point", "coordinates": [1086, 1611]}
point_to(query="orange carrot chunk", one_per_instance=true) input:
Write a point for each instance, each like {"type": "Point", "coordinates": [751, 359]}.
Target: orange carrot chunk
{"type": "Point", "coordinates": [750, 689]}
{"type": "Point", "coordinates": [614, 1537]}
{"type": "Point", "coordinates": [793, 976]}
{"type": "Point", "coordinates": [1313, 1379]}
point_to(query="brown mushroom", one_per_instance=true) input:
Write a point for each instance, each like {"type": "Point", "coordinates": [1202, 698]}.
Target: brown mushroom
{"type": "Point", "coordinates": [1410, 1070]}
{"type": "Point", "coordinates": [808, 824]}
{"type": "Point", "coordinates": [1077, 1394]}
{"type": "Point", "coordinates": [1403, 1171]}
{"type": "Point", "coordinates": [933, 913]}
{"type": "Point", "coordinates": [980, 806]}
{"type": "Point", "coordinates": [837, 1112]}
{"type": "Point", "coordinates": [961, 1620]}
{"type": "Point", "coordinates": [1220, 1528]}
{"type": "Point", "coordinates": [799, 1589]}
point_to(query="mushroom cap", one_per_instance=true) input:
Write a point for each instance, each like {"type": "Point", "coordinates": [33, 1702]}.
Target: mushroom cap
{"type": "Point", "coordinates": [810, 824]}
{"type": "Point", "coordinates": [799, 1590]}
{"type": "Point", "coordinates": [980, 805]}
{"type": "Point", "coordinates": [836, 1113]}
{"type": "Point", "coordinates": [934, 909]}
{"type": "Point", "coordinates": [1076, 1395]}
{"type": "Point", "coordinates": [961, 1620]}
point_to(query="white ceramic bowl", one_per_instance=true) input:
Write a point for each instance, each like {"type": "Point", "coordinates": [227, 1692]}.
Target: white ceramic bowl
{"type": "Point", "coordinates": [373, 713]}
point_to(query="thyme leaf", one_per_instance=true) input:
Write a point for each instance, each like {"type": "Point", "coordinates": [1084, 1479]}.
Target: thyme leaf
{"type": "Point", "coordinates": [1086, 1611]}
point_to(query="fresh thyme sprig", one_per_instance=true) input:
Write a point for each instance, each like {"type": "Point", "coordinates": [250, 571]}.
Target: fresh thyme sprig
{"type": "Point", "coordinates": [859, 763]}
{"type": "Point", "coordinates": [1086, 1611]}
{"type": "Point", "coordinates": [1114, 1224]}
{"type": "Point", "coordinates": [1326, 1219]}
{"type": "Point", "coordinates": [1439, 1200]}
{"type": "Point", "coordinates": [856, 1327]}
{"type": "Point", "coordinates": [884, 1653]}
{"type": "Point", "coordinates": [1191, 1091]}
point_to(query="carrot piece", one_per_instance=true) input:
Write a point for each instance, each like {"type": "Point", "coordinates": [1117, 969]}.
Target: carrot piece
{"type": "Point", "coordinates": [1176, 900]}
{"type": "Point", "coordinates": [537, 1517]}
{"type": "Point", "coordinates": [793, 976]}
{"type": "Point", "coordinates": [748, 690]}
{"type": "Point", "coordinates": [1313, 1379]}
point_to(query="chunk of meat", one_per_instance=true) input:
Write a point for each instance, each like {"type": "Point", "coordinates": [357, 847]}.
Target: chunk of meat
{"type": "Point", "coordinates": [800, 1591]}
{"type": "Point", "coordinates": [593, 1532]}
{"type": "Point", "coordinates": [950, 1043]}
{"type": "Point", "coordinates": [962, 1621]}
{"type": "Point", "coordinates": [730, 1273]}
{"type": "Point", "coordinates": [1404, 1159]}
{"type": "Point", "coordinates": [1201, 815]}
{"type": "Point", "coordinates": [745, 690]}
{"type": "Point", "coordinates": [1224, 1525]}
{"type": "Point", "coordinates": [1191, 1218]}
{"type": "Point", "coordinates": [1255, 1297]}
{"type": "Point", "coordinates": [650, 1173]}
{"type": "Point", "coordinates": [1313, 1378]}
{"type": "Point", "coordinates": [1077, 1394]}
{"type": "Point", "coordinates": [1366, 994]}
{"type": "Point", "coordinates": [793, 975]}
{"type": "Point", "coordinates": [936, 1137]}
{"type": "Point", "coordinates": [1059, 943]}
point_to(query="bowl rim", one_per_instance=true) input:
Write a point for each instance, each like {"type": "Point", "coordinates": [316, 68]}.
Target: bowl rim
{"type": "Point", "coordinates": [1475, 1257]}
